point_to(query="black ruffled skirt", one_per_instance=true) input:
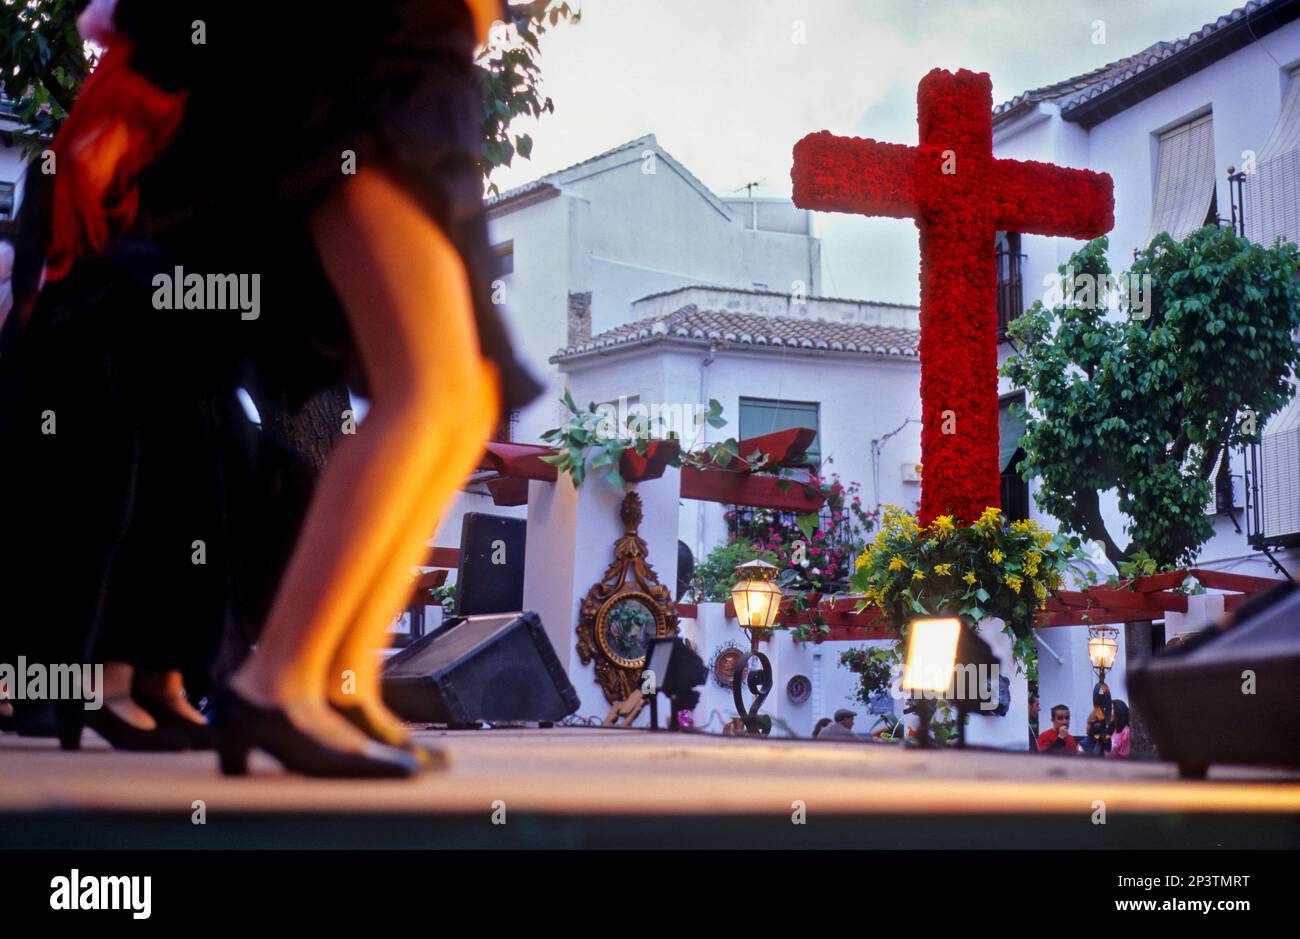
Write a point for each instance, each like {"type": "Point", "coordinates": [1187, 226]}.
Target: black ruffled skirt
{"type": "Point", "coordinates": [276, 118]}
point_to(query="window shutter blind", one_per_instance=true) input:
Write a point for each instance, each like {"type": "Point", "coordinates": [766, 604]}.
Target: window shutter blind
{"type": "Point", "coordinates": [1184, 179]}
{"type": "Point", "coordinates": [1273, 190]}
{"type": "Point", "coordinates": [1279, 472]}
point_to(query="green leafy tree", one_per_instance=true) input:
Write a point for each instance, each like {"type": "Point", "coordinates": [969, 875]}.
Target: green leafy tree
{"type": "Point", "coordinates": [1144, 403]}
{"type": "Point", "coordinates": [45, 60]}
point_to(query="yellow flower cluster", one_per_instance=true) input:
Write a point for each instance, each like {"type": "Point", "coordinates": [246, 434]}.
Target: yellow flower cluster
{"type": "Point", "coordinates": [894, 521]}
{"type": "Point", "coordinates": [1042, 537]}
{"type": "Point", "coordinates": [907, 556]}
{"type": "Point", "coordinates": [943, 526]}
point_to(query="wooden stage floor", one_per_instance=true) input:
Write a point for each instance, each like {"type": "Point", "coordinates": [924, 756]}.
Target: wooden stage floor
{"type": "Point", "coordinates": [606, 788]}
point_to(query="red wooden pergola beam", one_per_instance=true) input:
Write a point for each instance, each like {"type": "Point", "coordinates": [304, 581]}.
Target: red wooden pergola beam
{"type": "Point", "coordinates": [519, 461]}
{"type": "Point", "coordinates": [1096, 616]}
{"type": "Point", "coordinates": [1124, 599]}
{"type": "Point", "coordinates": [1153, 582]}
{"type": "Point", "coordinates": [443, 557]}
{"type": "Point", "coordinates": [763, 492]}
{"type": "Point", "coordinates": [508, 490]}
{"type": "Point", "coordinates": [1241, 583]}
{"type": "Point", "coordinates": [1234, 600]}
{"type": "Point", "coordinates": [858, 633]}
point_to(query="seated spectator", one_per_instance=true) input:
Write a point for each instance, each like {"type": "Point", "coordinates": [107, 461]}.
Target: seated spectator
{"type": "Point", "coordinates": [1057, 739]}
{"type": "Point", "coordinates": [821, 725]}
{"type": "Point", "coordinates": [1097, 742]}
{"type": "Point", "coordinates": [841, 728]}
{"type": "Point", "coordinates": [1121, 742]}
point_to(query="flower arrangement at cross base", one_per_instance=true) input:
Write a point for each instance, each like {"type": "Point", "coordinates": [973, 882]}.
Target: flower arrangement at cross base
{"type": "Point", "coordinates": [992, 568]}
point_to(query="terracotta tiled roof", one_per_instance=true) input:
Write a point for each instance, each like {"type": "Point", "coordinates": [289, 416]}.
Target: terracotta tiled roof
{"type": "Point", "coordinates": [1073, 92]}
{"type": "Point", "coordinates": [754, 331]}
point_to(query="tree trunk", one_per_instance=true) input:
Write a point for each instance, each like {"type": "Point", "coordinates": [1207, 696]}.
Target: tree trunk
{"type": "Point", "coordinates": [1137, 648]}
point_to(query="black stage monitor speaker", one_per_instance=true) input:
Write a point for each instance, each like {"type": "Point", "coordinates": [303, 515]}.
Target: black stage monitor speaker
{"type": "Point", "coordinates": [1228, 695]}
{"type": "Point", "coordinates": [490, 578]}
{"type": "Point", "coordinates": [485, 668]}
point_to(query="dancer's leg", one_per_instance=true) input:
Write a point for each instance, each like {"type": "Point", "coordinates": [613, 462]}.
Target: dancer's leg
{"type": "Point", "coordinates": [354, 679]}
{"type": "Point", "coordinates": [168, 690]}
{"type": "Point", "coordinates": [116, 689]}
{"type": "Point", "coordinates": [404, 290]}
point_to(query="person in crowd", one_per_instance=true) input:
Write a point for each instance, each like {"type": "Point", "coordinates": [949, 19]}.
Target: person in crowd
{"type": "Point", "coordinates": [841, 728]}
{"type": "Point", "coordinates": [821, 725]}
{"type": "Point", "coordinates": [7, 231]}
{"type": "Point", "coordinates": [1033, 720]}
{"type": "Point", "coordinates": [1057, 738]}
{"type": "Point", "coordinates": [113, 466]}
{"type": "Point", "coordinates": [1097, 740]}
{"type": "Point", "coordinates": [366, 185]}
{"type": "Point", "coordinates": [1121, 738]}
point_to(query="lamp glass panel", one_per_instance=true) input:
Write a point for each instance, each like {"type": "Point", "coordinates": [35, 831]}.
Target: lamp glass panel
{"type": "Point", "coordinates": [931, 655]}
{"type": "Point", "coordinates": [1101, 651]}
{"type": "Point", "coordinates": [757, 603]}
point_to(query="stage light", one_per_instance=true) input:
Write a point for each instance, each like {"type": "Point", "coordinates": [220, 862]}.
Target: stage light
{"type": "Point", "coordinates": [756, 596]}
{"type": "Point", "coordinates": [947, 659]}
{"type": "Point", "coordinates": [931, 655]}
{"type": "Point", "coordinates": [672, 668]}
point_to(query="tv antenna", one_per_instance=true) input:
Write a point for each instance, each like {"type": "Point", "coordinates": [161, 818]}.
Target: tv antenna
{"type": "Point", "coordinates": [749, 194]}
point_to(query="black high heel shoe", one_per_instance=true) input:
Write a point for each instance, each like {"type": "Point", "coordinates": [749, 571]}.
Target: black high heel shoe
{"type": "Point", "coordinates": [197, 736]}
{"type": "Point", "coordinates": [241, 726]}
{"type": "Point", "coordinates": [356, 715]}
{"type": "Point", "coordinates": [71, 718]}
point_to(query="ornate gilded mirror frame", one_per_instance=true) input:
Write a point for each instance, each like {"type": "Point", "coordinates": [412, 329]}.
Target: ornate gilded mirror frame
{"type": "Point", "coordinates": [627, 607]}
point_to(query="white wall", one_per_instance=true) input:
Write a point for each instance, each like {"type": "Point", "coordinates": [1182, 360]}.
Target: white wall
{"type": "Point", "coordinates": [621, 233]}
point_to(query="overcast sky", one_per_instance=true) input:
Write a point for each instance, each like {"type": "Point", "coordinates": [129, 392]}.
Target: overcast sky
{"type": "Point", "coordinates": [727, 90]}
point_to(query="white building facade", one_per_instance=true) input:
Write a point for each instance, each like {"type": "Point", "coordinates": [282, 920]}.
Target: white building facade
{"type": "Point", "coordinates": [1166, 124]}
{"type": "Point", "coordinates": [631, 236]}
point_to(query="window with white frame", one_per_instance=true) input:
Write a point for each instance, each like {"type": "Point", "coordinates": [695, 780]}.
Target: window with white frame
{"type": "Point", "coordinates": [760, 416]}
